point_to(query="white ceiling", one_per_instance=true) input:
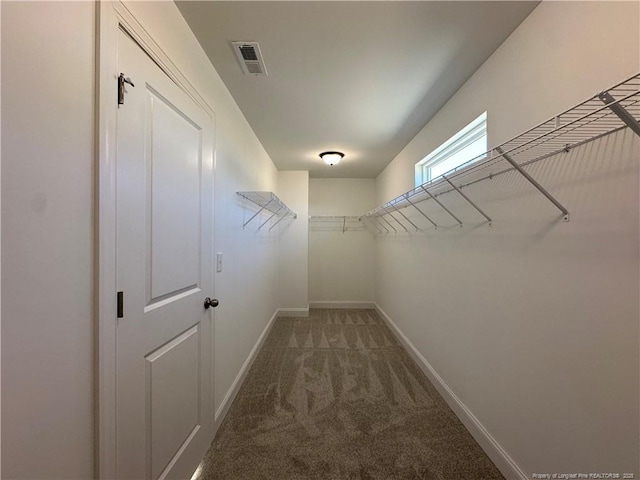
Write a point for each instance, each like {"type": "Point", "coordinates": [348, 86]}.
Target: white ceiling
{"type": "Point", "coordinates": [355, 76]}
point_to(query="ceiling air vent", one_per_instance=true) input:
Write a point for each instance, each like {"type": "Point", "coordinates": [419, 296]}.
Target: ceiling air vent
{"type": "Point", "coordinates": [250, 58]}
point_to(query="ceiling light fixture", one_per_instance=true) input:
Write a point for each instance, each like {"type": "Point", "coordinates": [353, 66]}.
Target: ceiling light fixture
{"type": "Point", "coordinates": [331, 158]}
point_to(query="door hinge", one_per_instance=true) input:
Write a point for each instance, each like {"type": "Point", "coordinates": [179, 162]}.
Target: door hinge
{"type": "Point", "coordinates": [121, 81]}
{"type": "Point", "coordinates": [120, 307]}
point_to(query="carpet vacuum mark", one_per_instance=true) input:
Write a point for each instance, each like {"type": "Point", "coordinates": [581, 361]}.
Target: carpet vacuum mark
{"type": "Point", "coordinates": [335, 396]}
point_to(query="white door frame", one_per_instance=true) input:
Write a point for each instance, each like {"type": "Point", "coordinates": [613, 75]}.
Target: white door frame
{"type": "Point", "coordinates": [111, 16]}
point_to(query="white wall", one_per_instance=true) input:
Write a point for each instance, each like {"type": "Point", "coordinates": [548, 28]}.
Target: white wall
{"type": "Point", "coordinates": [341, 265]}
{"type": "Point", "coordinates": [293, 190]}
{"type": "Point", "coordinates": [47, 239]}
{"type": "Point", "coordinates": [0, 236]}
{"type": "Point", "coordinates": [534, 323]}
{"type": "Point", "coordinates": [47, 232]}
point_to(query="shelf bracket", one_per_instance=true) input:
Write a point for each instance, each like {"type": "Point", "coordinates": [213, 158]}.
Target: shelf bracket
{"type": "Point", "coordinates": [469, 200]}
{"type": "Point", "coordinates": [533, 182]}
{"type": "Point", "coordinates": [376, 223]}
{"type": "Point", "coordinates": [361, 219]}
{"type": "Point", "coordinates": [269, 219]}
{"type": "Point", "coordinates": [279, 220]}
{"type": "Point", "coordinates": [404, 216]}
{"type": "Point", "coordinates": [620, 111]}
{"type": "Point", "coordinates": [398, 222]}
{"type": "Point", "coordinates": [267, 201]}
{"type": "Point", "coordinates": [421, 212]}
{"type": "Point", "coordinates": [256, 214]}
{"type": "Point", "coordinates": [440, 203]}
{"type": "Point", "coordinates": [381, 217]}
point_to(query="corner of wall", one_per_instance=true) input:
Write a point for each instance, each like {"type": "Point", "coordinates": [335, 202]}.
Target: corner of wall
{"type": "Point", "coordinates": [293, 255]}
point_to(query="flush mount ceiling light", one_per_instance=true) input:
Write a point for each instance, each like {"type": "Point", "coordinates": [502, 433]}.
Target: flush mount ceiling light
{"type": "Point", "coordinates": [331, 158]}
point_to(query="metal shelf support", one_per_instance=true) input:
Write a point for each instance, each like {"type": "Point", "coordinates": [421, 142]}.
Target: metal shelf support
{"type": "Point", "coordinates": [376, 222]}
{"type": "Point", "coordinates": [277, 222]}
{"type": "Point", "coordinates": [381, 217]}
{"type": "Point", "coordinates": [256, 214]}
{"type": "Point", "coordinates": [269, 219]}
{"type": "Point", "coordinates": [267, 201]}
{"type": "Point", "coordinates": [533, 182]}
{"type": "Point", "coordinates": [421, 212]}
{"type": "Point", "coordinates": [363, 221]}
{"type": "Point", "coordinates": [440, 203]}
{"type": "Point", "coordinates": [468, 200]}
{"type": "Point", "coordinates": [620, 111]}
{"type": "Point", "coordinates": [404, 216]}
{"type": "Point", "coordinates": [392, 216]}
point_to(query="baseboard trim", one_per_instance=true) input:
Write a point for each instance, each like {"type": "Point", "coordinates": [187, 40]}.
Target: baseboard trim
{"type": "Point", "coordinates": [492, 448]}
{"type": "Point", "coordinates": [293, 312]}
{"type": "Point", "coordinates": [346, 304]}
{"type": "Point", "coordinates": [222, 410]}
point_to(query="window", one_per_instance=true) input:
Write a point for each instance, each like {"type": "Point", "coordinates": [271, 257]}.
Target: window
{"type": "Point", "coordinates": [468, 144]}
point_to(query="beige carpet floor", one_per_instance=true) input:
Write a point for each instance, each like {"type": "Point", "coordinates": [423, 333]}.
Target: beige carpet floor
{"type": "Point", "coordinates": [335, 396]}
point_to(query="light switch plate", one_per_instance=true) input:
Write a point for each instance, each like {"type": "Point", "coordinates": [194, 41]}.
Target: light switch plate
{"type": "Point", "coordinates": [218, 262]}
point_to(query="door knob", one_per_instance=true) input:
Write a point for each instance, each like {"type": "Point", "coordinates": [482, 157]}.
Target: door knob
{"type": "Point", "coordinates": [210, 302]}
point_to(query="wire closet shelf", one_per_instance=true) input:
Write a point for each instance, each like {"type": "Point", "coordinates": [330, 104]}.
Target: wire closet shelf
{"type": "Point", "coordinates": [605, 113]}
{"type": "Point", "coordinates": [270, 203]}
{"type": "Point", "coordinates": [336, 222]}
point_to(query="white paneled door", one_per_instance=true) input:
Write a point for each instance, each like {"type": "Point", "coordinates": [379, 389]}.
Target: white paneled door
{"type": "Point", "coordinates": [164, 404]}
